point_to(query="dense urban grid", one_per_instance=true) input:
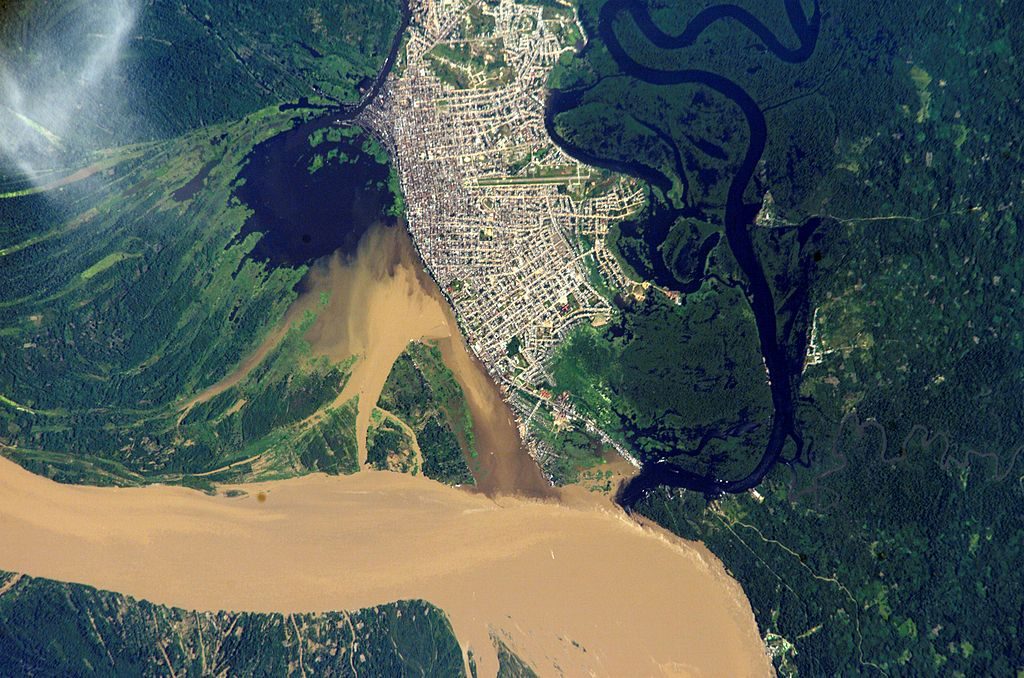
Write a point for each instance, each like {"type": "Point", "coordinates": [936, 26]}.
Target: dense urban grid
{"type": "Point", "coordinates": [512, 229]}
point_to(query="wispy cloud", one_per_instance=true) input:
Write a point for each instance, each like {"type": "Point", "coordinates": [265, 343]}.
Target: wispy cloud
{"type": "Point", "coordinates": [41, 97]}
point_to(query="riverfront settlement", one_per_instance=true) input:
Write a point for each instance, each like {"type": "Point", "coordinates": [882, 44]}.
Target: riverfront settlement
{"type": "Point", "coordinates": [512, 228]}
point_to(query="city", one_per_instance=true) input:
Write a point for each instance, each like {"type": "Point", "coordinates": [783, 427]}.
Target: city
{"type": "Point", "coordinates": [512, 228]}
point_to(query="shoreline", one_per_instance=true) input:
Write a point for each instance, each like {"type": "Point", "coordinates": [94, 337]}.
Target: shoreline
{"type": "Point", "coordinates": [556, 578]}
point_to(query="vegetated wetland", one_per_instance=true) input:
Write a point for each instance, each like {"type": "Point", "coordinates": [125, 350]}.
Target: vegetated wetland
{"type": "Point", "coordinates": [323, 196]}
{"type": "Point", "coordinates": [314, 190]}
{"type": "Point", "coordinates": [212, 232]}
{"type": "Point", "coordinates": [370, 305]}
{"type": "Point", "coordinates": [887, 536]}
{"type": "Point", "coordinates": [534, 574]}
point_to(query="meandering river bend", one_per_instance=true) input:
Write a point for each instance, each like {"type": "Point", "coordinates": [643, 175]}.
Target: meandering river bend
{"type": "Point", "coordinates": [571, 583]}
{"type": "Point", "coordinates": [738, 215]}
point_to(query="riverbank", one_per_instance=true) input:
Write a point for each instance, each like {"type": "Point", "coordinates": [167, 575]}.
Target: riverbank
{"type": "Point", "coordinates": [379, 302]}
{"type": "Point", "coordinates": [574, 585]}
{"type": "Point", "coordinates": [370, 306]}
{"type": "Point", "coordinates": [782, 357]}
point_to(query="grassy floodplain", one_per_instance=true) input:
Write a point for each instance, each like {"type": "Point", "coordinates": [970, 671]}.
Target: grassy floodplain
{"type": "Point", "coordinates": [134, 299]}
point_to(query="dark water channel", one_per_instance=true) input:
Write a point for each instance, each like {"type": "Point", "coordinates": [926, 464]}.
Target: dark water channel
{"type": "Point", "coordinates": [738, 215]}
{"type": "Point", "coordinates": [303, 214]}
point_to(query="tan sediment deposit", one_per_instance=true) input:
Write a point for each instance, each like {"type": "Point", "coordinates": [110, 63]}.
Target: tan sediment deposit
{"type": "Point", "coordinates": [575, 587]}
{"type": "Point", "coordinates": [572, 585]}
{"type": "Point", "coordinates": [505, 466]}
{"type": "Point", "coordinates": [376, 305]}
{"type": "Point", "coordinates": [245, 367]}
{"type": "Point", "coordinates": [375, 287]}
{"type": "Point", "coordinates": [377, 302]}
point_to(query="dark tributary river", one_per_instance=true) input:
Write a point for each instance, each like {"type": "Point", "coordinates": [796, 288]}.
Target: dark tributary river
{"type": "Point", "coordinates": [738, 215]}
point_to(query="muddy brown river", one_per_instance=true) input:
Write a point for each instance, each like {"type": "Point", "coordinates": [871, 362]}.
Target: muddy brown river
{"type": "Point", "coordinates": [379, 302]}
{"type": "Point", "coordinates": [573, 584]}
{"type": "Point", "coordinates": [565, 578]}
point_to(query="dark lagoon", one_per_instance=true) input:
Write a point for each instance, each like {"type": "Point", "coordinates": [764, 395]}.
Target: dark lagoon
{"type": "Point", "coordinates": [310, 201]}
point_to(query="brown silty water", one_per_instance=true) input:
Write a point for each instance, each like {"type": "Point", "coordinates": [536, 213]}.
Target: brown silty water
{"type": "Point", "coordinates": [570, 583]}
{"type": "Point", "coordinates": [382, 300]}
{"type": "Point", "coordinates": [379, 300]}
{"type": "Point", "coordinates": [573, 587]}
